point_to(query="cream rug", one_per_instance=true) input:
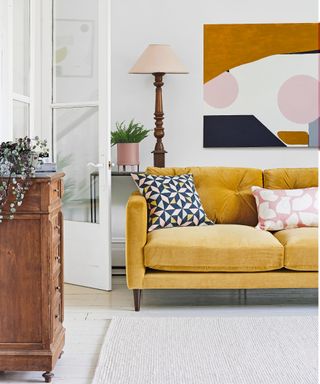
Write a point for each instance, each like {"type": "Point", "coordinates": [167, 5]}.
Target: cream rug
{"type": "Point", "coordinates": [242, 350]}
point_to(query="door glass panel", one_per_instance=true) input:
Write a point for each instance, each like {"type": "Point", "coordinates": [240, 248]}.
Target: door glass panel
{"type": "Point", "coordinates": [75, 62]}
{"type": "Point", "coordinates": [76, 138]}
{"type": "Point", "coordinates": [20, 119]}
{"type": "Point", "coordinates": [21, 47]}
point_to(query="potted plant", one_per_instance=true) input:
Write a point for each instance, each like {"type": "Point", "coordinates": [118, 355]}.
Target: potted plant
{"type": "Point", "coordinates": [127, 139]}
{"type": "Point", "coordinates": [18, 162]}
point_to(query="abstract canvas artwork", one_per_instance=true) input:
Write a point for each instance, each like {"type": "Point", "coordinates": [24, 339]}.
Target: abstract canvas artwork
{"type": "Point", "coordinates": [261, 85]}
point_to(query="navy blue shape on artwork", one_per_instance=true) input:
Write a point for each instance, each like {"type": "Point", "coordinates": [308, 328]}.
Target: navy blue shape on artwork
{"type": "Point", "coordinates": [237, 131]}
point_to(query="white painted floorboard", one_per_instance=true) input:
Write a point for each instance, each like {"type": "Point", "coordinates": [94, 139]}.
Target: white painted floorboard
{"type": "Point", "coordinates": [88, 313]}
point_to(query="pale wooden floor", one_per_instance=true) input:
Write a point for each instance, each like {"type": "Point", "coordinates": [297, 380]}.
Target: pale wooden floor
{"type": "Point", "coordinates": [88, 313]}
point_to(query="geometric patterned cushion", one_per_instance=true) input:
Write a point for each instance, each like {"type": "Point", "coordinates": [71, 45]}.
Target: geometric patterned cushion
{"type": "Point", "coordinates": [172, 201]}
{"type": "Point", "coordinates": [286, 208]}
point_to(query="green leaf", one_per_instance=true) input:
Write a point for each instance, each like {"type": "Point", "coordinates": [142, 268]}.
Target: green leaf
{"type": "Point", "coordinates": [131, 133]}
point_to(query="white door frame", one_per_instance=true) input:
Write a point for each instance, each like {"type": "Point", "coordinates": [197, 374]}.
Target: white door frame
{"type": "Point", "coordinates": [74, 231]}
{"type": "Point", "coordinates": [104, 60]}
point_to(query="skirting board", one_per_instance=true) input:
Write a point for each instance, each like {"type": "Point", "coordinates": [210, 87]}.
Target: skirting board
{"type": "Point", "coordinates": [118, 252]}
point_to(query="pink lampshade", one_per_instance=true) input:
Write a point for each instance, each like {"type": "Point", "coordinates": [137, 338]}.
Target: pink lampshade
{"type": "Point", "coordinates": [158, 58]}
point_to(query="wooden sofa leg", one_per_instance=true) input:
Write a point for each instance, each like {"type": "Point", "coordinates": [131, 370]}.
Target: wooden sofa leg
{"type": "Point", "coordinates": [137, 299]}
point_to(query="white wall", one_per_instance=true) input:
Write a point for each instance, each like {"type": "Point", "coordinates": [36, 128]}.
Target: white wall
{"type": "Point", "coordinates": [137, 23]}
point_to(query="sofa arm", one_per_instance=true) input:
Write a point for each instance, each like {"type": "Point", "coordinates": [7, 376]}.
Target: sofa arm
{"type": "Point", "coordinates": [136, 238]}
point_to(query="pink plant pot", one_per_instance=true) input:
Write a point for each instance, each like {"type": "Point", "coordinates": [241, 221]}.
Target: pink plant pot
{"type": "Point", "coordinates": [128, 154]}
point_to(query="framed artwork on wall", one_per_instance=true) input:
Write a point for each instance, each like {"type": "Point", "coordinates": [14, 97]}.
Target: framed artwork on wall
{"type": "Point", "coordinates": [261, 85]}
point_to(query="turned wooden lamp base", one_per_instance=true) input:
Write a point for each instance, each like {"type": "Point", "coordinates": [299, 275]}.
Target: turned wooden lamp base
{"type": "Point", "coordinates": [159, 158]}
{"type": "Point", "coordinates": [159, 152]}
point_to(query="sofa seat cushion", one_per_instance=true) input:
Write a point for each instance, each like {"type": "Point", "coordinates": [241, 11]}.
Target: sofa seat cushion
{"type": "Point", "coordinates": [300, 248]}
{"type": "Point", "coordinates": [220, 248]}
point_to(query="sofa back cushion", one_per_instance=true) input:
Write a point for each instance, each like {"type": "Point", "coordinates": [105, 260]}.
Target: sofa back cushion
{"type": "Point", "coordinates": [225, 193]}
{"type": "Point", "coordinates": [290, 178]}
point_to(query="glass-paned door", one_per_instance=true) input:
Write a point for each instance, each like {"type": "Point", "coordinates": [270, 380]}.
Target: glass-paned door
{"type": "Point", "coordinates": [20, 82]}
{"type": "Point", "coordinates": [21, 63]}
{"type": "Point", "coordinates": [79, 104]}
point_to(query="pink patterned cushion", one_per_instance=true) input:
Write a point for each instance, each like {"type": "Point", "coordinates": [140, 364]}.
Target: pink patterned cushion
{"type": "Point", "coordinates": [286, 208]}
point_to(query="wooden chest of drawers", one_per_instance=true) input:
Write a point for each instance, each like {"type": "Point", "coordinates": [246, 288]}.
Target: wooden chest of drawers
{"type": "Point", "coordinates": [31, 281]}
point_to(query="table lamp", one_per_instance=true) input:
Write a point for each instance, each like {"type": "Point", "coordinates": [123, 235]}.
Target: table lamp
{"type": "Point", "coordinates": [158, 59]}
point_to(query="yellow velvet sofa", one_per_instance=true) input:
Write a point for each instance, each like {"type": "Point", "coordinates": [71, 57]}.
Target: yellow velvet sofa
{"type": "Point", "coordinates": [231, 254]}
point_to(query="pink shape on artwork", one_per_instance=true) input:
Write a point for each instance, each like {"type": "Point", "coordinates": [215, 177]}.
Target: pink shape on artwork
{"type": "Point", "coordinates": [298, 99]}
{"type": "Point", "coordinates": [221, 91]}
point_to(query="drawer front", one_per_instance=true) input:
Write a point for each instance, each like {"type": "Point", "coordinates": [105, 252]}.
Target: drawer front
{"type": "Point", "coordinates": [42, 194]}
{"type": "Point", "coordinates": [57, 242]}
{"type": "Point", "coordinates": [57, 292]}
{"type": "Point", "coordinates": [57, 317]}
{"type": "Point", "coordinates": [56, 190]}
{"type": "Point", "coordinates": [56, 228]}
{"type": "Point", "coordinates": [31, 202]}
{"type": "Point", "coordinates": [57, 286]}
{"type": "Point", "coordinates": [57, 258]}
